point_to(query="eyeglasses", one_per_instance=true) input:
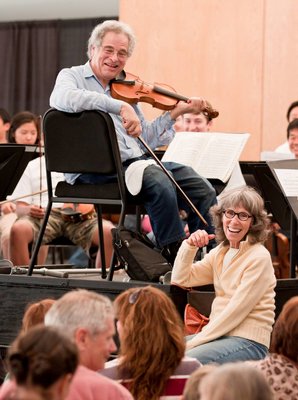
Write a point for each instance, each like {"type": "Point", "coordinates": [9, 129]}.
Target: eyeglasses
{"type": "Point", "coordinates": [230, 214]}
{"type": "Point", "coordinates": [110, 51]}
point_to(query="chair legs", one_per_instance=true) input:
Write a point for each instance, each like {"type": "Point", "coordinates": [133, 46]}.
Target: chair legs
{"type": "Point", "coordinates": [101, 241]}
{"type": "Point", "coordinates": [39, 240]}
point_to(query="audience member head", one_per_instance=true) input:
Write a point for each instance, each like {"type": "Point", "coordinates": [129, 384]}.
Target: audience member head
{"type": "Point", "coordinates": [292, 135]}
{"type": "Point", "coordinates": [24, 129]}
{"type": "Point", "coordinates": [201, 122]}
{"type": "Point", "coordinates": [285, 331]}
{"type": "Point", "coordinates": [191, 389]}
{"type": "Point", "coordinates": [4, 125]}
{"type": "Point", "coordinates": [152, 341]}
{"type": "Point", "coordinates": [42, 361]}
{"type": "Point", "coordinates": [179, 124]}
{"type": "Point", "coordinates": [233, 382]}
{"type": "Point", "coordinates": [252, 202]}
{"type": "Point", "coordinates": [35, 313]}
{"type": "Point", "coordinates": [100, 31]}
{"type": "Point", "coordinates": [88, 318]}
{"type": "Point", "coordinates": [292, 112]}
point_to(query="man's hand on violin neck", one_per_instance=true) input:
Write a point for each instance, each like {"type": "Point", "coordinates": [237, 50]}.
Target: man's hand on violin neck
{"type": "Point", "coordinates": [194, 105]}
{"type": "Point", "coordinates": [130, 120]}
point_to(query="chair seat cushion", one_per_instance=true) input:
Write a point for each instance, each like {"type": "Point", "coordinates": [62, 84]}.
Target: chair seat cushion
{"type": "Point", "coordinates": [92, 191]}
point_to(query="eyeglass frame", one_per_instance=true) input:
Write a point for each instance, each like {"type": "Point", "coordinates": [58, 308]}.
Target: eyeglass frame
{"type": "Point", "coordinates": [247, 216]}
{"type": "Point", "coordinates": [110, 51]}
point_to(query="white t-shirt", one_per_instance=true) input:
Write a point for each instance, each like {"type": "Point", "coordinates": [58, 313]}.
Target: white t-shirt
{"type": "Point", "coordinates": [283, 148]}
{"type": "Point", "coordinates": [30, 182]}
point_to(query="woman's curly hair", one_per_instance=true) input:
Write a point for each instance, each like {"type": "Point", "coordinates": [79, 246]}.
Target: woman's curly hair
{"type": "Point", "coordinates": [248, 198]}
{"type": "Point", "coordinates": [152, 341]}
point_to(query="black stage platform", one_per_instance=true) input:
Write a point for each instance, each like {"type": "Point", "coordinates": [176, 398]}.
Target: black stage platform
{"type": "Point", "coordinates": [16, 291]}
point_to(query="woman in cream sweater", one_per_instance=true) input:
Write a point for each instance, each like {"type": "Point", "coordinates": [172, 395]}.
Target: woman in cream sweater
{"type": "Point", "coordinates": [240, 268]}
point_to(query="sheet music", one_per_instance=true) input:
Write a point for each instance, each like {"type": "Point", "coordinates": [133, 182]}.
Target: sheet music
{"type": "Point", "coordinates": [211, 154]}
{"type": "Point", "coordinates": [288, 179]}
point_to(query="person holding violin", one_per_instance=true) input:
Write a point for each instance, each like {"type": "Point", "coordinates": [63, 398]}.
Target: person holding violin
{"type": "Point", "coordinates": [90, 87]}
{"type": "Point", "coordinates": [24, 130]}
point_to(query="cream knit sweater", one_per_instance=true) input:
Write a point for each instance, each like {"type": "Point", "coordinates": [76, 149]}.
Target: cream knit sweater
{"type": "Point", "coordinates": [244, 303]}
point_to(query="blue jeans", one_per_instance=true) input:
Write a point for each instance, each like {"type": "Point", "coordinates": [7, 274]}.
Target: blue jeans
{"type": "Point", "coordinates": [162, 202]}
{"type": "Point", "coordinates": [159, 196]}
{"type": "Point", "coordinates": [228, 349]}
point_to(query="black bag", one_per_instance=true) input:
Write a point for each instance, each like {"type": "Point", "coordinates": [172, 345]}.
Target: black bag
{"type": "Point", "coordinates": [137, 255]}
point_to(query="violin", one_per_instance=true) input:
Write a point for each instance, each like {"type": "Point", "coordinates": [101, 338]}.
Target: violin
{"type": "Point", "coordinates": [132, 89]}
{"type": "Point", "coordinates": [278, 246]}
{"type": "Point", "coordinates": [77, 212]}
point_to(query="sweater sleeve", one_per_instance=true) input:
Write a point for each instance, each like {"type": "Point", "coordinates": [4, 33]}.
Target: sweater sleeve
{"type": "Point", "coordinates": [186, 273]}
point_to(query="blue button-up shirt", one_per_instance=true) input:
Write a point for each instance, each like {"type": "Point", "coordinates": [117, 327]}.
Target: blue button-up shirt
{"type": "Point", "coordinates": [77, 89]}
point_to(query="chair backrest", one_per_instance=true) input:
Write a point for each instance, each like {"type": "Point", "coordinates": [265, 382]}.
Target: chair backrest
{"type": "Point", "coordinates": [84, 142]}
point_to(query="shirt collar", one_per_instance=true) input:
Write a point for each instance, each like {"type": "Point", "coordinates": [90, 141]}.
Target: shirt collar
{"type": "Point", "coordinates": [88, 73]}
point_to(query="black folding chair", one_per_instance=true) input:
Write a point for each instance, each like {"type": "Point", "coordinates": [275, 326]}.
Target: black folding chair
{"type": "Point", "coordinates": [84, 142]}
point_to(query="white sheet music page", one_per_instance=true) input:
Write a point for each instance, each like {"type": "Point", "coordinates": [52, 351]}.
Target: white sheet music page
{"type": "Point", "coordinates": [288, 178]}
{"type": "Point", "coordinates": [211, 154]}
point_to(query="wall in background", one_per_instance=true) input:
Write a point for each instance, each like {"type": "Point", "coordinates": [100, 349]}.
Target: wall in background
{"type": "Point", "coordinates": [22, 10]}
{"type": "Point", "coordinates": [240, 55]}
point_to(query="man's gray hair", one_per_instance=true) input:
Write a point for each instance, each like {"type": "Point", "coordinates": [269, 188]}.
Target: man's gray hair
{"type": "Point", "coordinates": [80, 309]}
{"type": "Point", "coordinates": [101, 30]}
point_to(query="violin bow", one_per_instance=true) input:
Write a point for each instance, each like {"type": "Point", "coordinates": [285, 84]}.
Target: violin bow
{"type": "Point", "coordinates": [184, 195]}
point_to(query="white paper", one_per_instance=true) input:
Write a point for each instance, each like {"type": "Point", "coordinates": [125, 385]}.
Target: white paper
{"type": "Point", "coordinates": [211, 154]}
{"type": "Point", "coordinates": [288, 179]}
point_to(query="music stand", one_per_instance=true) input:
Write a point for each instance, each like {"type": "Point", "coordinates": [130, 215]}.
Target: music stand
{"type": "Point", "coordinates": [259, 175]}
{"type": "Point", "coordinates": [290, 192]}
{"type": "Point", "coordinates": [13, 161]}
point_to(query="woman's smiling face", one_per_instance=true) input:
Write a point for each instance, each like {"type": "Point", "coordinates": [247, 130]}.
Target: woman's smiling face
{"type": "Point", "coordinates": [234, 228]}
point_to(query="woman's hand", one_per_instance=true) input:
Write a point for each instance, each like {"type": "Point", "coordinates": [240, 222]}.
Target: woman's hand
{"type": "Point", "coordinates": [200, 238]}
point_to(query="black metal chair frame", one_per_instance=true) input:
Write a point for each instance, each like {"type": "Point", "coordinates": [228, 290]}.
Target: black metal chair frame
{"type": "Point", "coordinates": [84, 142]}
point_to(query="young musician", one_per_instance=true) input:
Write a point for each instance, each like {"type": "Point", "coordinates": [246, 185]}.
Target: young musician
{"type": "Point", "coordinates": [31, 210]}
{"type": "Point", "coordinates": [292, 113]}
{"type": "Point", "coordinates": [87, 87]}
{"type": "Point", "coordinates": [4, 125]}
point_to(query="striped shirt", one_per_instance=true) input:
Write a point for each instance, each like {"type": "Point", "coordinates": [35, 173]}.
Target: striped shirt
{"type": "Point", "coordinates": [175, 385]}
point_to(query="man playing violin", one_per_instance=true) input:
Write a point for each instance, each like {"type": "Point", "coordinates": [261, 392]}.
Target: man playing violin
{"type": "Point", "coordinates": [88, 87]}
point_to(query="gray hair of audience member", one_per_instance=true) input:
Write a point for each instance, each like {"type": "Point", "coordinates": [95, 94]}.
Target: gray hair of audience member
{"type": "Point", "coordinates": [41, 356]}
{"type": "Point", "coordinates": [248, 198]}
{"type": "Point", "coordinates": [101, 30]}
{"type": "Point", "coordinates": [235, 381]}
{"type": "Point", "coordinates": [81, 309]}
{"type": "Point", "coordinates": [191, 388]}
